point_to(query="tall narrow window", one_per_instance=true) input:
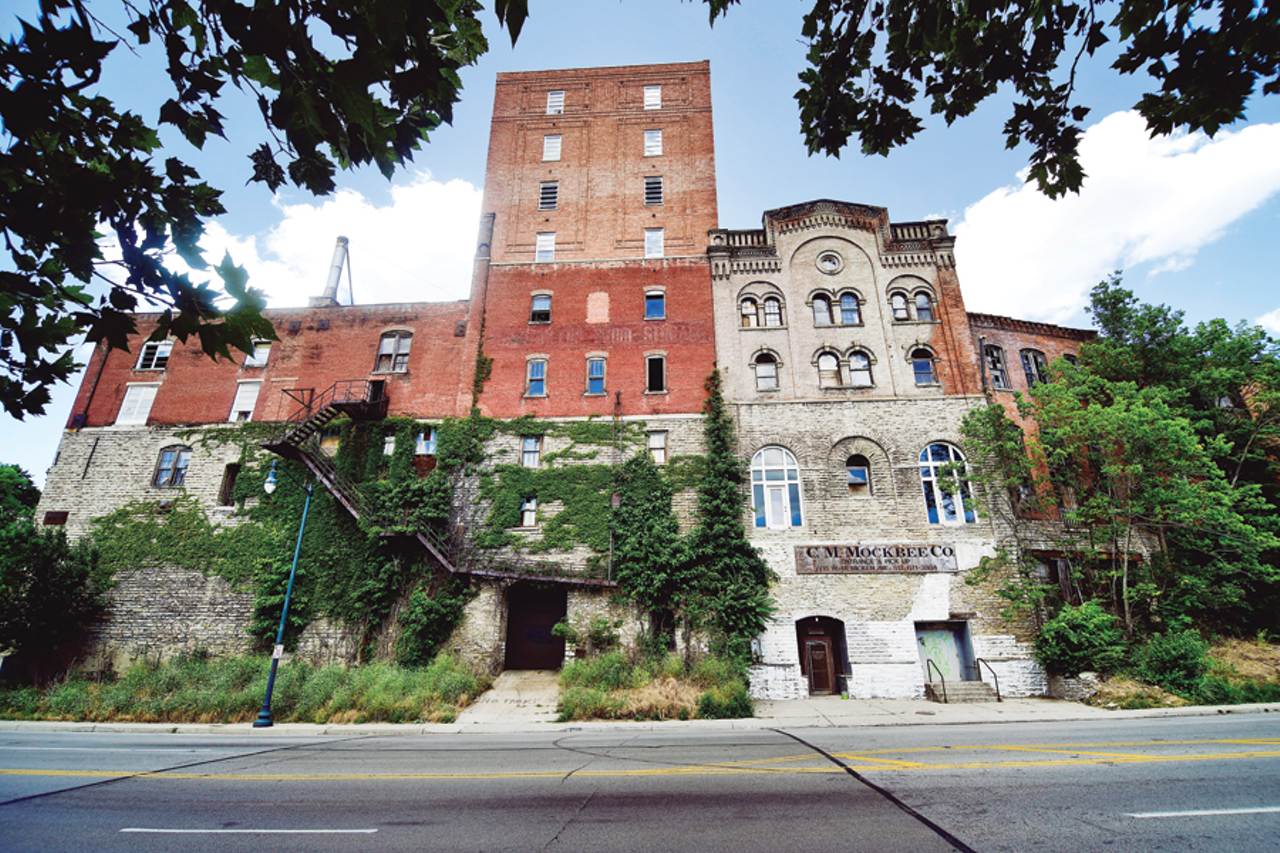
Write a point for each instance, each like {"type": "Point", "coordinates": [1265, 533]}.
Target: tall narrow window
{"type": "Point", "coordinates": [172, 468]}
{"type": "Point", "coordinates": [653, 97]}
{"type": "Point", "coordinates": [898, 303]}
{"type": "Point", "coordinates": [922, 367]}
{"type": "Point", "coordinates": [540, 312]}
{"type": "Point", "coordinates": [550, 147]}
{"type": "Point", "coordinates": [227, 491]}
{"type": "Point", "coordinates": [425, 444]}
{"type": "Point", "coordinates": [772, 311]}
{"type": "Point", "coordinates": [1034, 366]}
{"type": "Point", "coordinates": [548, 195]}
{"type": "Point", "coordinates": [653, 189]}
{"type": "Point", "coordinates": [658, 447]}
{"type": "Point", "coordinates": [137, 404]}
{"type": "Point", "coordinates": [860, 370]}
{"type": "Point", "coordinates": [393, 352]}
{"type": "Point", "coordinates": [750, 313]}
{"type": "Point", "coordinates": [246, 399]}
{"type": "Point", "coordinates": [653, 243]}
{"type": "Point", "coordinates": [655, 305]}
{"type": "Point", "coordinates": [531, 451]}
{"type": "Point", "coordinates": [766, 373]}
{"type": "Point", "coordinates": [529, 512]}
{"type": "Point", "coordinates": [948, 497]}
{"type": "Point", "coordinates": [849, 313]}
{"type": "Point", "coordinates": [595, 376]}
{"type": "Point", "coordinates": [389, 444]}
{"type": "Point", "coordinates": [555, 102]}
{"type": "Point", "coordinates": [655, 374]}
{"type": "Point", "coordinates": [775, 488]}
{"type": "Point", "coordinates": [155, 355]}
{"type": "Point", "coordinates": [829, 370]}
{"type": "Point", "coordinates": [544, 250]}
{"type": "Point", "coordinates": [261, 352]}
{"type": "Point", "coordinates": [924, 308]}
{"type": "Point", "coordinates": [858, 474]}
{"type": "Point", "coordinates": [652, 143]}
{"type": "Point", "coordinates": [995, 366]}
{"type": "Point", "coordinates": [821, 311]}
{"type": "Point", "coordinates": [537, 381]}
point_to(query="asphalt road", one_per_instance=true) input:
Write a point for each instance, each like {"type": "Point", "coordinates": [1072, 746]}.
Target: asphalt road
{"type": "Point", "coordinates": [1181, 784]}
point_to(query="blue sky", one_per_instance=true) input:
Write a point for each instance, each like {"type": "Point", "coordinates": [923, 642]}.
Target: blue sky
{"type": "Point", "coordinates": [1189, 220]}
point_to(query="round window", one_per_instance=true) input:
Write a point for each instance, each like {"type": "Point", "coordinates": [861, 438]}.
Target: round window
{"type": "Point", "coordinates": [830, 263]}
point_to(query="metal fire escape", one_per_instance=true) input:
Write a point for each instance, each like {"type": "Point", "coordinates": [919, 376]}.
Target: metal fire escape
{"type": "Point", "coordinates": [299, 439]}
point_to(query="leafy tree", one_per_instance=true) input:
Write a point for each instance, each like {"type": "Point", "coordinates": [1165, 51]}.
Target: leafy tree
{"type": "Point", "coordinates": [338, 82]}
{"type": "Point", "coordinates": [874, 65]}
{"type": "Point", "coordinates": [18, 494]}
{"type": "Point", "coordinates": [649, 559]}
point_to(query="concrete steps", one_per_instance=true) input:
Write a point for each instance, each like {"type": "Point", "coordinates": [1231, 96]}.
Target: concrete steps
{"type": "Point", "coordinates": [960, 692]}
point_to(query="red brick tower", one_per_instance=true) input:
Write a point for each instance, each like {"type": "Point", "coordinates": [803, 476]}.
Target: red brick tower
{"type": "Point", "coordinates": [592, 278]}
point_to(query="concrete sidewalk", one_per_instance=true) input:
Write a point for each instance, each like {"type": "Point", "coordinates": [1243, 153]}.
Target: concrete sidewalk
{"type": "Point", "coordinates": [521, 706]}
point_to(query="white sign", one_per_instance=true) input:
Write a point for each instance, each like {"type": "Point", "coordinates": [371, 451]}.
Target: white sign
{"type": "Point", "coordinates": [875, 559]}
{"type": "Point", "coordinates": [277, 653]}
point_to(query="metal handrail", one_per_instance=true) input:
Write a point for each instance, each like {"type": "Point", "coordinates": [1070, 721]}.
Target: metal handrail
{"type": "Point", "coordinates": [929, 664]}
{"type": "Point", "coordinates": [994, 677]}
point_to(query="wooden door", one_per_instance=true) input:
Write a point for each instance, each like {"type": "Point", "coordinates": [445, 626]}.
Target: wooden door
{"type": "Point", "coordinates": [821, 666]}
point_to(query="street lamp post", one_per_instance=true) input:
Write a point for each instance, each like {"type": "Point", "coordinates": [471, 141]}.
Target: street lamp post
{"type": "Point", "coordinates": [265, 719]}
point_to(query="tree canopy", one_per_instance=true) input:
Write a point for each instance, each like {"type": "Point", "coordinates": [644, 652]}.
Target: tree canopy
{"type": "Point", "coordinates": [876, 65]}
{"type": "Point", "coordinates": [339, 83]}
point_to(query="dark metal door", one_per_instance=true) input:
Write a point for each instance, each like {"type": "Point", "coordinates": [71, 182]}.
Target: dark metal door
{"type": "Point", "coordinates": [531, 613]}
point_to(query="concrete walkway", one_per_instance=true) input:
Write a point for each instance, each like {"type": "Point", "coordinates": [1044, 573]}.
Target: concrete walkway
{"type": "Point", "coordinates": [524, 702]}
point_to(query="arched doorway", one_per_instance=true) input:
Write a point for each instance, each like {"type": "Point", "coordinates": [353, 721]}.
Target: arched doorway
{"type": "Point", "coordinates": [532, 610]}
{"type": "Point", "coordinates": [822, 653]}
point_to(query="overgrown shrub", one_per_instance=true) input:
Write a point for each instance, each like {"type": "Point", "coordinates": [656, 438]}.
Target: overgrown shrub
{"type": "Point", "coordinates": [1176, 661]}
{"type": "Point", "coordinates": [726, 702]}
{"type": "Point", "coordinates": [1081, 639]}
{"type": "Point", "coordinates": [428, 621]}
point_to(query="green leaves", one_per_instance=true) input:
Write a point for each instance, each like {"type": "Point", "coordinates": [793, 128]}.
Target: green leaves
{"type": "Point", "coordinates": [874, 64]}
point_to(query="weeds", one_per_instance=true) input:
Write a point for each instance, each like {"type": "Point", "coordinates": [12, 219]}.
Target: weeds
{"type": "Point", "coordinates": [612, 686]}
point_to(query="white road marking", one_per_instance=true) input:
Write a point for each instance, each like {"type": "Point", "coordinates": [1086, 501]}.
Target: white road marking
{"type": "Point", "coordinates": [250, 831]}
{"type": "Point", "coordinates": [1210, 813]}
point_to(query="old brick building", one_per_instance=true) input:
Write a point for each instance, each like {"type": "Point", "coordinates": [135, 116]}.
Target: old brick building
{"type": "Point", "coordinates": [604, 289]}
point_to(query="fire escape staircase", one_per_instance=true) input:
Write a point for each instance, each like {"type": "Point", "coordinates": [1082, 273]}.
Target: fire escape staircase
{"type": "Point", "coordinates": [298, 438]}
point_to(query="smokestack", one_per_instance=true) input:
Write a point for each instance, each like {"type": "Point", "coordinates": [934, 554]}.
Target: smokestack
{"type": "Point", "coordinates": [329, 298]}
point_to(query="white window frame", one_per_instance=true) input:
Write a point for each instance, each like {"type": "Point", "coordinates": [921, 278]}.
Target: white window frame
{"type": "Point", "coordinates": [653, 143]}
{"type": "Point", "coordinates": [860, 375]}
{"type": "Point", "coordinates": [261, 352]}
{"type": "Point", "coordinates": [389, 444]}
{"type": "Point", "coordinates": [774, 315]}
{"type": "Point", "coordinates": [536, 372]}
{"type": "Point", "coordinates": [551, 147]}
{"type": "Point", "coordinates": [154, 355]}
{"type": "Point", "coordinates": [555, 102]}
{"type": "Point", "coordinates": [658, 446]}
{"type": "Point", "coordinates": [936, 495]}
{"type": "Point", "coordinates": [425, 444]}
{"type": "Point", "coordinates": [596, 369]}
{"type": "Point", "coordinates": [776, 498]}
{"type": "Point", "coordinates": [540, 308]}
{"type": "Point", "coordinates": [245, 401]}
{"type": "Point", "coordinates": [135, 408]}
{"type": "Point", "coordinates": [653, 97]}
{"type": "Point", "coordinates": [766, 380]}
{"type": "Point", "coordinates": [856, 310]}
{"type": "Point", "coordinates": [654, 243]}
{"type": "Point", "coordinates": [529, 512]}
{"type": "Point", "coordinates": [544, 247]}
{"type": "Point", "coordinates": [531, 451]}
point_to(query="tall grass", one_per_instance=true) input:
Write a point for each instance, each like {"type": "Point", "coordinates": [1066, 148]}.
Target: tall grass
{"type": "Point", "coordinates": [198, 689]}
{"type": "Point", "coordinates": [612, 686]}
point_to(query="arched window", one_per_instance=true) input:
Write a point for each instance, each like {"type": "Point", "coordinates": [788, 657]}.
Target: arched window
{"type": "Point", "coordinates": [922, 367]}
{"type": "Point", "coordinates": [948, 497]}
{"type": "Point", "coordinates": [171, 470]}
{"type": "Point", "coordinates": [858, 470]}
{"type": "Point", "coordinates": [850, 315]}
{"type": "Point", "coordinates": [775, 488]}
{"type": "Point", "coordinates": [821, 311]}
{"type": "Point", "coordinates": [750, 314]}
{"type": "Point", "coordinates": [829, 370]}
{"type": "Point", "coordinates": [1034, 366]}
{"type": "Point", "coordinates": [772, 311]}
{"type": "Point", "coordinates": [901, 313]}
{"type": "Point", "coordinates": [924, 308]}
{"type": "Point", "coordinates": [860, 370]}
{"type": "Point", "coordinates": [766, 372]}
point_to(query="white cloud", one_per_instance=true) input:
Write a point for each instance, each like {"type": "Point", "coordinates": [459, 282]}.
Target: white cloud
{"type": "Point", "coordinates": [1270, 321]}
{"type": "Point", "coordinates": [1145, 200]}
{"type": "Point", "coordinates": [418, 248]}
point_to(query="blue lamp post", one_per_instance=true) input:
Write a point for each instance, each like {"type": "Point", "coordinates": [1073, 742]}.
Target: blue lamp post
{"type": "Point", "coordinates": [265, 719]}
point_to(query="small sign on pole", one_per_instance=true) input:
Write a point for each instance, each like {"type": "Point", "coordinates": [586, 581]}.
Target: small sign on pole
{"type": "Point", "coordinates": [277, 652]}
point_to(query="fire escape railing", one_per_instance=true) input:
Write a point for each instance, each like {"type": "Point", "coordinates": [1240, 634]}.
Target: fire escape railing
{"type": "Point", "coordinates": [299, 438]}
